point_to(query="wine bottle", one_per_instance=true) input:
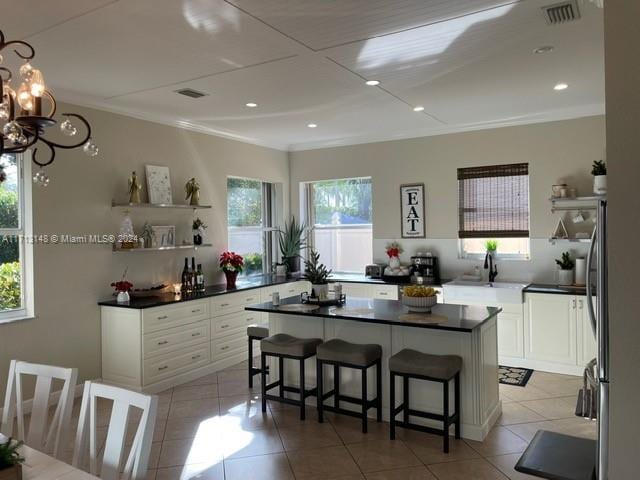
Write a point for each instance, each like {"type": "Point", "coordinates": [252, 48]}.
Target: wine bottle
{"type": "Point", "coordinates": [185, 276]}
{"type": "Point", "coordinates": [193, 275]}
{"type": "Point", "coordinates": [200, 278]}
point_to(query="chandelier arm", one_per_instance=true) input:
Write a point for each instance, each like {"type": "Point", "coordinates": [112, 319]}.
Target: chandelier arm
{"type": "Point", "coordinates": [75, 145]}
{"type": "Point", "coordinates": [31, 52]}
{"type": "Point", "coordinates": [22, 148]}
{"type": "Point", "coordinates": [52, 101]}
{"type": "Point", "coordinates": [52, 152]}
{"type": "Point", "coordinates": [9, 76]}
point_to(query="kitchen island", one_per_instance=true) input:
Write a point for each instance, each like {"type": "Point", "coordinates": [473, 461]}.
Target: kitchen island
{"type": "Point", "coordinates": [467, 331]}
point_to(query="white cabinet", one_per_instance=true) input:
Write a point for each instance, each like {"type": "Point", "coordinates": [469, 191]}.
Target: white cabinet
{"type": "Point", "coordinates": [510, 333]}
{"type": "Point", "coordinates": [370, 290]}
{"type": "Point", "coordinates": [587, 349]}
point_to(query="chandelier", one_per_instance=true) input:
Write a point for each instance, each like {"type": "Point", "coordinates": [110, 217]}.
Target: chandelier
{"type": "Point", "coordinates": [27, 112]}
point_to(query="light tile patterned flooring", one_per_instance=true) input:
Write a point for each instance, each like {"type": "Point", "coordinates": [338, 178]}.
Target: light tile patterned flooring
{"type": "Point", "coordinates": [212, 428]}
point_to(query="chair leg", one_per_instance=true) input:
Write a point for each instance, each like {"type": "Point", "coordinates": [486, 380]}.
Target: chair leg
{"type": "Point", "coordinates": [320, 392]}
{"type": "Point", "coordinates": [392, 405]}
{"type": "Point", "coordinates": [336, 386]}
{"type": "Point", "coordinates": [263, 380]}
{"type": "Point", "coordinates": [281, 375]}
{"type": "Point", "coordinates": [364, 400]}
{"type": "Point", "coordinates": [302, 409]}
{"type": "Point", "coordinates": [457, 403]}
{"type": "Point", "coordinates": [445, 413]}
{"type": "Point", "coordinates": [379, 390]}
{"type": "Point", "coordinates": [405, 394]}
{"type": "Point", "coordinates": [250, 362]}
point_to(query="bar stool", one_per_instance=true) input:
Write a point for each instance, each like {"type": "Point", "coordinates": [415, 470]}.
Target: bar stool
{"type": "Point", "coordinates": [422, 366]}
{"type": "Point", "coordinates": [350, 355]}
{"type": "Point", "coordinates": [255, 332]}
{"type": "Point", "coordinates": [284, 346]}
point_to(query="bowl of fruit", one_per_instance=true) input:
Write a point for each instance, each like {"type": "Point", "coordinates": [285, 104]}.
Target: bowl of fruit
{"type": "Point", "coordinates": [419, 298]}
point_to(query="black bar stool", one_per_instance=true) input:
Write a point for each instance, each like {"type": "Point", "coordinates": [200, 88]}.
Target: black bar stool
{"type": "Point", "coordinates": [284, 346]}
{"type": "Point", "coordinates": [351, 355]}
{"type": "Point", "coordinates": [255, 332]}
{"type": "Point", "coordinates": [435, 368]}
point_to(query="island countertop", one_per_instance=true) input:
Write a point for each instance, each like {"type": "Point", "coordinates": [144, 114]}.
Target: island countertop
{"type": "Point", "coordinates": [458, 318]}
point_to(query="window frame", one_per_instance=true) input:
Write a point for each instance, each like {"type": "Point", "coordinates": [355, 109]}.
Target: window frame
{"type": "Point", "coordinates": [24, 234]}
{"type": "Point", "coordinates": [465, 255]}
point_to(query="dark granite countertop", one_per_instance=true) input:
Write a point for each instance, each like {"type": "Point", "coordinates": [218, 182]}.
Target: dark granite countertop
{"type": "Point", "coordinates": [556, 289]}
{"type": "Point", "coordinates": [457, 318]}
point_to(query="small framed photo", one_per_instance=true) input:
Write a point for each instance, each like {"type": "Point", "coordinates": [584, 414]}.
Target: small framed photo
{"type": "Point", "coordinates": [412, 210]}
{"type": "Point", "coordinates": [163, 236]}
{"type": "Point", "coordinates": [158, 184]}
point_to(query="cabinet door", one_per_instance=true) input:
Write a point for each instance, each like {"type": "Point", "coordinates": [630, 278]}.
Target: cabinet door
{"type": "Point", "coordinates": [550, 328]}
{"type": "Point", "coordinates": [510, 335]}
{"type": "Point", "coordinates": [586, 339]}
{"type": "Point", "coordinates": [359, 290]}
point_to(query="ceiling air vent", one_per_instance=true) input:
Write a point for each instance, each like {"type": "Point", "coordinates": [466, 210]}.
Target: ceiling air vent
{"type": "Point", "coordinates": [559, 13]}
{"type": "Point", "coordinates": [189, 92]}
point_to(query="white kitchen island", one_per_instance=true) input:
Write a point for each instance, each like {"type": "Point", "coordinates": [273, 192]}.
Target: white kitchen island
{"type": "Point", "coordinates": [467, 331]}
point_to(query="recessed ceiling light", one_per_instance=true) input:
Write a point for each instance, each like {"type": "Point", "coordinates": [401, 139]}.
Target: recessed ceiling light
{"type": "Point", "coordinates": [312, 125]}
{"type": "Point", "coordinates": [251, 105]}
{"type": "Point", "coordinates": [543, 49]}
{"type": "Point", "coordinates": [372, 83]}
{"type": "Point", "coordinates": [561, 86]}
{"type": "Point", "coordinates": [418, 108]}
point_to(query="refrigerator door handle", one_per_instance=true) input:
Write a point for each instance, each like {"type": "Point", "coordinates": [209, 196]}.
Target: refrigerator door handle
{"type": "Point", "coordinates": [592, 313]}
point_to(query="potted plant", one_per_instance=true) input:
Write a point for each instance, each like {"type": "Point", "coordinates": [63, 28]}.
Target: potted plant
{"type": "Point", "coordinates": [318, 275]}
{"type": "Point", "coordinates": [122, 287]}
{"type": "Point", "coordinates": [491, 246]}
{"type": "Point", "coordinates": [10, 460]}
{"type": "Point", "coordinates": [291, 240]}
{"type": "Point", "coordinates": [198, 231]}
{"type": "Point", "coordinates": [599, 172]}
{"type": "Point", "coordinates": [565, 274]}
{"type": "Point", "coordinates": [394, 250]}
{"type": "Point", "coordinates": [231, 264]}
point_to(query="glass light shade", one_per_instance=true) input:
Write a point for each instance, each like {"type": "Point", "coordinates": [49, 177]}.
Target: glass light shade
{"type": "Point", "coordinates": [37, 83]}
{"type": "Point", "coordinates": [25, 100]}
{"type": "Point", "coordinates": [90, 148]}
{"type": "Point", "coordinates": [4, 111]}
{"type": "Point", "coordinates": [68, 129]}
{"type": "Point", "coordinates": [26, 70]}
{"type": "Point", "coordinates": [9, 91]}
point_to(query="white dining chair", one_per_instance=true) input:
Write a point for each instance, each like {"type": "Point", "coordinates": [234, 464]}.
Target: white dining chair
{"type": "Point", "coordinates": [135, 467]}
{"type": "Point", "coordinates": [46, 434]}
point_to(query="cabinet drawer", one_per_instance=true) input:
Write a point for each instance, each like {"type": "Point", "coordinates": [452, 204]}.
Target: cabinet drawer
{"type": "Point", "coordinates": [163, 341]}
{"type": "Point", "coordinates": [229, 345]}
{"type": "Point", "coordinates": [228, 324]}
{"type": "Point", "coordinates": [161, 318]}
{"type": "Point", "coordinates": [231, 302]}
{"type": "Point", "coordinates": [360, 290]}
{"type": "Point", "coordinates": [385, 292]}
{"type": "Point", "coordinates": [158, 368]}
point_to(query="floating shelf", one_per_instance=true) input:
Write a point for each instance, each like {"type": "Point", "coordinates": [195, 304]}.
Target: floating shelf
{"type": "Point", "coordinates": [159, 249]}
{"type": "Point", "coordinates": [177, 206]}
{"type": "Point", "coordinates": [570, 240]}
{"type": "Point", "coordinates": [564, 204]}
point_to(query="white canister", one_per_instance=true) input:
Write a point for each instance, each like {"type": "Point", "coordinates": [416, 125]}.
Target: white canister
{"type": "Point", "coordinates": [581, 271]}
{"type": "Point", "coordinates": [600, 184]}
{"type": "Point", "coordinates": [275, 299]}
{"type": "Point", "coordinates": [565, 277]}
{"type": "Point", "coordinates": [337, 290]}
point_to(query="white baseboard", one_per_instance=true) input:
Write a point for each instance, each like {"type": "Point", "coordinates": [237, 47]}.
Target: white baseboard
{"type": "Point", "coordinates": [542, 366]}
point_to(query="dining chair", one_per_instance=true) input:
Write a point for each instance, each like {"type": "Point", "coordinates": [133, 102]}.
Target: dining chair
{"type": "Point", "coordinates": [45, 433]}
{"type": "Point", "coordinates": [135, 467]}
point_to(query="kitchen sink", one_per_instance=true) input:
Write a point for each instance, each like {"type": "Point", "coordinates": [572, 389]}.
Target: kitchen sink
{"type": "Point", "coordinates": [467, 292]}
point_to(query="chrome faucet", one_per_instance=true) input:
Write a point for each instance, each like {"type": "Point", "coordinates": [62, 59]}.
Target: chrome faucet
{"type": "Point", "coordinates": [493, 268]}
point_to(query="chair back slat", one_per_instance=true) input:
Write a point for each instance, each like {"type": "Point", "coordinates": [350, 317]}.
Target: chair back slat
{"type": "Point", "coordinates": [137, 461]}
{"type": "Point", "coordinates": [43, 434]}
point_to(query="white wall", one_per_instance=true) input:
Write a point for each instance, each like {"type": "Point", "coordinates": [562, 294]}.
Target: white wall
{"type": "Point", "coordinates": [557, 151]}
{"type": "Point", "coordinates": [622, 58]}
{"type": "Point", "coordinates": [70, 279]}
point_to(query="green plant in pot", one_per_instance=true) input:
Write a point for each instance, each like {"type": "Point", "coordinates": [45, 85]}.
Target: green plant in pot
{"type": "Point", "coordinates": [10, 460]}
{"type": "Point", "coordinates": [291, 240]}
{"type": "Point", "coordinates": [317, 274]}
{"type": "Point", "coordinates": [491, 246]}
{"type": "Point", "coordinates": [599, 172]}
{"type": "Point", "coordinates": [565, 274]}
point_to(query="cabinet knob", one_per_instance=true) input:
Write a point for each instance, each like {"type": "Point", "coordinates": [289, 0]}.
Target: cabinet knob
{"type": "Point", "coordinates": [224, 326]}
{"type": "Point", "coordinates": [197, 334]}
{"type": "Point", "coordinates": [195, 357]}
{"type": "Point", "coordinates": [195, 311]}
{"type": "Point", "coordinates": [163, 368]}
{"type": "Point", "coordinates": [573, 303]}
{"type": "Point", "coordinates": [224, 304]}
{"type": "Point", "coordinates": [580, 304]}
{"type": "Point", "coordinates": [164, 342]}
{"type": "Point", "coordinates": [163, 317]}
{"type": "Point", "coordinates": [226, 347]}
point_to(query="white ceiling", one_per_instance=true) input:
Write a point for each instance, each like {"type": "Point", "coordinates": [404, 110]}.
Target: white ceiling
{"type": "Point", "coordinates": [470, 63]}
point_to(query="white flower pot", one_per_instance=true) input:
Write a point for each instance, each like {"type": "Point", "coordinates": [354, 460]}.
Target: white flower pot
{"type": "Point", "coordinates": [123, 297]}
{"type": "Point", "coordinates": [321, 291]}
{"type": "Point", "coordinates": [600, 184]}
{"type": "Point", "coordinates": [565, 277]}
{"type": "Point", "coordinates": [394, 263]}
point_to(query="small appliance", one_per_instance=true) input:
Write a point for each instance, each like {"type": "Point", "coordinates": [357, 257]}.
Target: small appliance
{"type": "Point", "coordinates": [425, 269]}
{"type": "Point", "coordinates": [373, 270]}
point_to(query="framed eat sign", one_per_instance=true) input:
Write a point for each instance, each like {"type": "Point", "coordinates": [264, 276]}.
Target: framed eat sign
{"type": "Point", "coordinates": [412, 210]}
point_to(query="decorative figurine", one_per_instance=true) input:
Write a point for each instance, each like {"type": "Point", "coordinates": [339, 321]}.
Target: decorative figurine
{"type": "Point", "coordinates": [134, 189]}
{"type": "Point", "coordinates": [147, 235]}
{"type": "Point", "coordinates": [193, 190]}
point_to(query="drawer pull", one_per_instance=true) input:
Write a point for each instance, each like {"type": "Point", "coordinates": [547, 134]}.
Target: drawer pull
{"type": "Point", "coordinates": [224, 326]}
{"type": "Point", "coordinates": [224, 304]}
{"type": "Point", "coordinates": [197, 334]}
{"type": "Point", "coordinates": [164, 342]}
{"type": "Point", "coordinates": [226, 347]}
{"type": "Point", "coordinates": [382, 293]}
{"type": "Point", "coordinates": [195, 357]}
{"type": "Point", "coordinates": [195, 311]}
{"type": "Point", "coordinates": [250, 299]}
{"type": "Point", "coordinates": [163, 317]}
{"type": "Point", "coordinates": [163, 368]}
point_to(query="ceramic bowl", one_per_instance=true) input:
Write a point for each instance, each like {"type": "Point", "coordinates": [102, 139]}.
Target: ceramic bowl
{"type": "Point", "coordinates": [419, 304]}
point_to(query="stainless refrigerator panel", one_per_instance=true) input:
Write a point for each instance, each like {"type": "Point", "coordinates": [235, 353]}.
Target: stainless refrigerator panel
{"type": "Point", "coordinates": [602, 314]}
{"type": "Point", "coordinates": [603, 431]}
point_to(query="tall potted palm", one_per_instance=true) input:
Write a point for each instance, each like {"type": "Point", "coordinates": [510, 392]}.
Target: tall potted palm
{"type": "Point", "coordinates": [291, 240]}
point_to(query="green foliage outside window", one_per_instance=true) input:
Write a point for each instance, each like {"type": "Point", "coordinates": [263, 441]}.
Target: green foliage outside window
{"type": "Point", "coordinates": [8, 218]}
{"type": "Point", "coordinates": [244, 205]}
{"type": "Point", "coordinates": [10, 286]}
{"type": "Point", "coordinates": [347, 198]}
{"type": "Point", "coordinates": [253, 263]}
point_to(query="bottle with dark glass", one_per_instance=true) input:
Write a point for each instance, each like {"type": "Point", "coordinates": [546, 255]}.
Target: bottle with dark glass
{"type": "Point", "coordinates": [193, 277]}
{"type": "Point", "coordinates": [185, 276]}
{"type": "Point", "coordinates": [200, 278]}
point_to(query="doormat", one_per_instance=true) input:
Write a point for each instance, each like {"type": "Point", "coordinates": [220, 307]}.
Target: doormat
{"type": "Point", "coordinates": [514, 376]}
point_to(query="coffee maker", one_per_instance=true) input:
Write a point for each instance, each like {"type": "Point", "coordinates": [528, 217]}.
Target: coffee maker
{"type": "Point", "coordinates": [425, 269]}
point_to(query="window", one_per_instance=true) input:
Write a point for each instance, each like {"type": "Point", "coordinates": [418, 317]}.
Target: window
{"type": "Point", "coordinates": [16, 254]}
{"type": "Point", "coordinates": [340, 212]}
{"type": "Point", "coordinates": [493, 204]}
{"type": "Point", "coordinates": [250, 214]}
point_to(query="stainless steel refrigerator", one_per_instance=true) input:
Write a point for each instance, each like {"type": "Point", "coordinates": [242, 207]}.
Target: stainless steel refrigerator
{"type": "Point", "coordinates": [599, 316]}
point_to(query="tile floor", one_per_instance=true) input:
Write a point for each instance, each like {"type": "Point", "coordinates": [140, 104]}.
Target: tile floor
{"type": "Point", "coordinates": [212, 428]}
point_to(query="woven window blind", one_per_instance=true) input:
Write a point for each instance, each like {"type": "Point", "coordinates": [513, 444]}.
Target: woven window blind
{"type": "Point", "coordinates": [493, 201]}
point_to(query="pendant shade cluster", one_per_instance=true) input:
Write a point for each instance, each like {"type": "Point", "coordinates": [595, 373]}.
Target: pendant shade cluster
{"type": "Point", "coordinates": [27, 110]}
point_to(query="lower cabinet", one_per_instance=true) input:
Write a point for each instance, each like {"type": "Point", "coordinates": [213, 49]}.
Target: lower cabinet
{"type": "Point", "coordinates": [510, 332]}
{"type": "Point", "coordinates": [371, 290]}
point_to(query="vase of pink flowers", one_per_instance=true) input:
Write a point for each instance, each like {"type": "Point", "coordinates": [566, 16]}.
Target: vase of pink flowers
{"type": "Point", "coordinates": [231, 264]}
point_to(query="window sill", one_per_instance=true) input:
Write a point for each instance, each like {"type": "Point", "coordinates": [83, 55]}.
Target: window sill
{"type": "Point", "coordinates": [499, 258]}
{"type": "Point", "coordinates": [16, 319]}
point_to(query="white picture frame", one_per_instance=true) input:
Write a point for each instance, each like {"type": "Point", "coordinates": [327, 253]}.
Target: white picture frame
{"type": "Point", "coordinates": [163, 236]}
{"type": "Point", "coordinates": [412, 211]}
{"type": "Point", "coordinates": [158, 184]}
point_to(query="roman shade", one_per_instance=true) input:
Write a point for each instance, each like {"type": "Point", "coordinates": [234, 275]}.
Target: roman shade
{"type": "Point", "coordinates": [493, 201]}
